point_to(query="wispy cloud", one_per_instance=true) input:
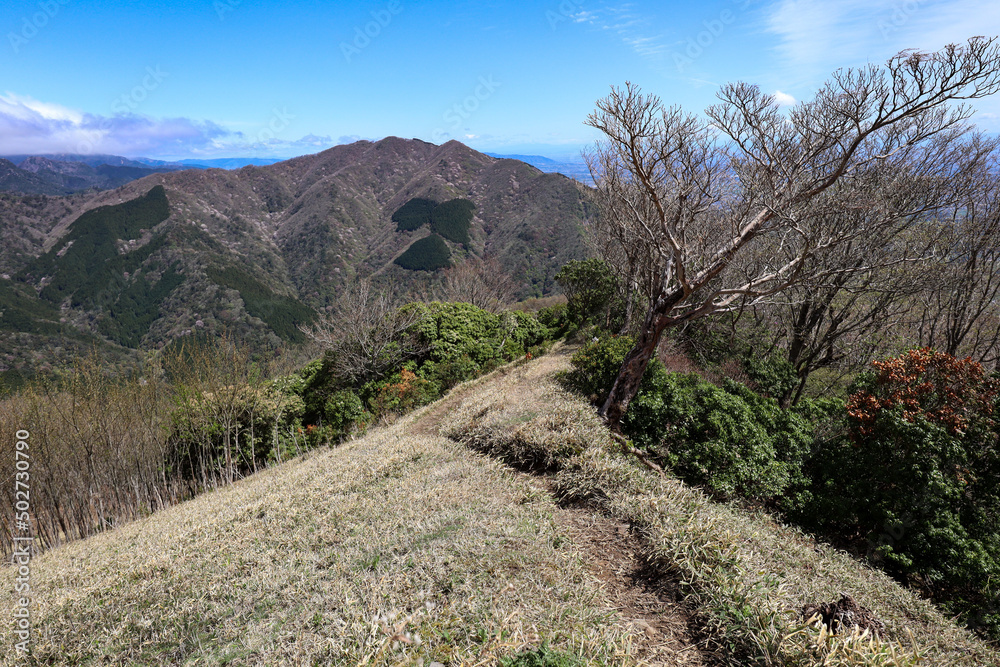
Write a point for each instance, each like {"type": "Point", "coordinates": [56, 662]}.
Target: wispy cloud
{"type": "Point", "coordinates": [29, 126]}
{"type": "Point", "coordinates": [635, 29]}
{"type": "Point", "coordinates": [816, 37]}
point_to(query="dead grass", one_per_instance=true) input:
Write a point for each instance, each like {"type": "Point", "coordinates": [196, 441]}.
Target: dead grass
{"type": "Point", "coordinates": [748, 575]}
{"type": "Point", "coordinates": [404, 548]}
{"type": "Point", "coordinates": [389, 550]}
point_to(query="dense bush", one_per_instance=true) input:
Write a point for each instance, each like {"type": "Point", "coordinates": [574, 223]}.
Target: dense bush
{"type": "Point", "coordinates": [427, 254]}
{"type": "Point", "coordinates": [453, 331]}
{"type": "Point", "coordinates": [452, 342]}
{"type": "Point", "coordinates": [727, 439]}
{"type": "Point", "coordinates": [451, 220]}
{"type": "Point", "coordinates": [596, 364]}
{"type": "Point", "coordinates": [400, 393]}
{"type": "Point", "coordinates": [917, 478]}
{"type": "Point", "coordinates": [234, 429]}
{"type": "Point", "coordinates": [556, 319]}
{"type": "Point", "coordinates": [414, 214]}
{"type": "Point", "coordinates": [770, 374]}
{"type": "Point", "coordinates": [342, 410]}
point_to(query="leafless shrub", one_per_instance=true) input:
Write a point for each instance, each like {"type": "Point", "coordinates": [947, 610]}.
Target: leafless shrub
{"type": "Point", "coordinates": [367, 334]}
{"type": "Point", "coordinates": [482, 282]}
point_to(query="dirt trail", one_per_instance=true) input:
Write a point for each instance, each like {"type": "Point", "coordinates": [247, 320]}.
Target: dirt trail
{"type": "Point", "coordinates": [612, 552]}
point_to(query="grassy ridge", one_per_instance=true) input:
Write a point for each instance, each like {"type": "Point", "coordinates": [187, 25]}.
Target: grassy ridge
{"type": "Point", "coordinates": [403, 546]}
{"type": "Point", "coordinates": [749, 575]}
{"type": "Point", "coordinates": [389, 549]}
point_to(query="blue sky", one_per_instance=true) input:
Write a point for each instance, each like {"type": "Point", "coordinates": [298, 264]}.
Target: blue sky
{"type": "Point", "coordinates": [262, 78]}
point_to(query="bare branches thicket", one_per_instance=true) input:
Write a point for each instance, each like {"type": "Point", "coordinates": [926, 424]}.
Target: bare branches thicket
{"type": "Point", "coordinates": [960, 315]}
{"type": "Point", "coordinates": [367, 335]}
{"type": "Point", "coordinates": [96, 447]}
{"type": "Point", "coordinates": [482, 282]}
{"type": "Point", "coordinates": [730, 210]}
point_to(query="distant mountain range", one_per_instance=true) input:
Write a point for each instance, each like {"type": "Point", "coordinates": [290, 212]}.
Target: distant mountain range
{"type": "Point", "coordinates": [259, 250]}
{"type": "Point", "coordinates": [67, 173]}
{"type": "Point", "coordinates": [576, 169]}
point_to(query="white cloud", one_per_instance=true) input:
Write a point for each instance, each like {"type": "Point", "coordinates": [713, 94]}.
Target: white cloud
{"type": "Point", "coordinates": [784, 99]}
{"type": "Point", "coordinates": [28, 126]}
{"type": "Point", "coordinates": [25, 108]}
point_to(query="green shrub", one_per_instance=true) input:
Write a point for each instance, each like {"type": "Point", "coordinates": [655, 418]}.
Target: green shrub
{"type": "Point", "coordinates": [450, 372]}
{"type": "Point", "coordinates": [917, 479]}
{"type": "Point", "coordinates": [414, 214]}
{"type": "Point", "coordinates": [596, 364]}
{"type": "Point", "coordinates": [771, 375]}
{"type": "Point", "coordinates": [456, 342]}
{"type": "Point", "coordinates": [555, 319]}
{"type": "Point", "coordinates": [427, 254]}
{"type": "Point", "coordinates": [240, 422]}
{"type": "Point", "coordinates": [399, 393]}
{"type": "Point", "coordinates": [451, 331]}
{"type": "Point", "coordinates": [451, 220]}
{"type": "Point", "coordinates": [727, 439]}
{"type": "Point", "coordinates": [541, 657]}
{"type": "Point", "coordinates": [341, 411]}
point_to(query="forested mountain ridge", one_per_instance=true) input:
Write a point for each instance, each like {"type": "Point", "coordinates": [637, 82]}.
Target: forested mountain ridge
{"type": "Point", "coordinates": [262, 250]}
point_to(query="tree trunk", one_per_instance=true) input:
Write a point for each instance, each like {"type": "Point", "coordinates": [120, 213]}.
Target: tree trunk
{"type": "Point", "coordinates": [629, 308]}
{"type": "Point", "coordinates": [627, 382]}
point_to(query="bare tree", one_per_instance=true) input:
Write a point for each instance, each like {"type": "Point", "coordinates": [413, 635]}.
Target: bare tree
{"type": "Point", "coordinates": [961, 314]}
{"type": "Point", "coordinates": [736, 207]}
{"type": "Point", "coordinates": [367, 334]}
{"type": "Point", "coordinates": [482, 282]}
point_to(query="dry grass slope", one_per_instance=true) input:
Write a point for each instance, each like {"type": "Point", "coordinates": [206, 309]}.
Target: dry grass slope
{"type": "Point", "coordinates": [748, 575]}
{"type": "Point", "coordinates": [388, 550]}
{"type": "Point", "coordinates": [404, 548]}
